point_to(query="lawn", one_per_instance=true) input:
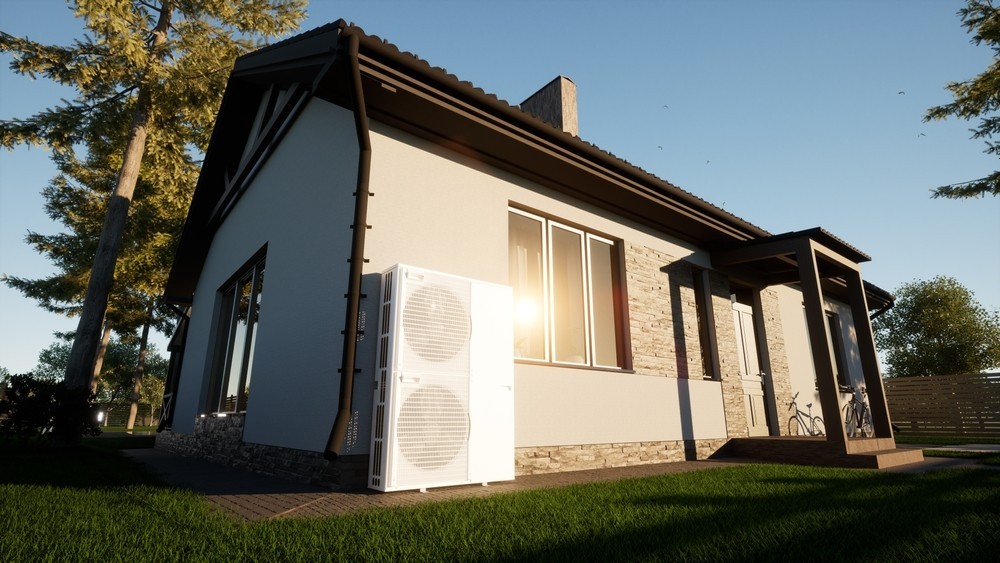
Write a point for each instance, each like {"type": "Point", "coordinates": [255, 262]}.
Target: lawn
{"type": "Point", "coordinates": [91, 504]}
{"type": "Point", "coordinates": [902, 438]}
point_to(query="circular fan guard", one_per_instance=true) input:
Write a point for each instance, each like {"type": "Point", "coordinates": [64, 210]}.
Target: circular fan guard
{"type": "Point", "coordinates": [435, 323]}
{"type": "Point", "coordinates": [433, 427]}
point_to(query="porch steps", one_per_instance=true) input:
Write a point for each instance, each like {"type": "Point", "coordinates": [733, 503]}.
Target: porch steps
{"type": "Point", "coordinates": [871, 453]}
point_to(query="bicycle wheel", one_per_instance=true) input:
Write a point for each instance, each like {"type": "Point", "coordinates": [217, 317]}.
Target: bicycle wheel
{"type": "Point", "coordinates": [850, 421]}
{"type": "Point", "coordinates": [794, 428]}
{"type": "Point", "coordinates": [867, 430]}
{"type": "Point", "coordinates": [818, 427]}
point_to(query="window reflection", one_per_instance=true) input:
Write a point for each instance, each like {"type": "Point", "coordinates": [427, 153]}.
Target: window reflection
{"type": "Point", "coordinates": [564, 293]}
{"type": "Point", "coordinates": [241, 311]}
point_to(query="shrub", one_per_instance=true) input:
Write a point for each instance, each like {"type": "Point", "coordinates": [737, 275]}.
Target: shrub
{"type": "Point", "coordinates": [34, 407]}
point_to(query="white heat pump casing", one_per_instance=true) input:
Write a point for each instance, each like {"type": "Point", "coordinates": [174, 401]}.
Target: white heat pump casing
{"type": "Point", "coordinates": [443, 411]}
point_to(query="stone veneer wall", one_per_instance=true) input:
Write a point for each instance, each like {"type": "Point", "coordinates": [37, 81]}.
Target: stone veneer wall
{"type": "Point", "coordinates": [553, 459]}
{"type": "Point", "coordinates": [781, 377]}
{"type": "Point", "coordinates": [729, 360]}
{"type": "Point", "coordinates": [220, 440]}
{"type": "Point", "coordinates": [663, 315]}
{"type": "Point", "coordinates": [663, 319]}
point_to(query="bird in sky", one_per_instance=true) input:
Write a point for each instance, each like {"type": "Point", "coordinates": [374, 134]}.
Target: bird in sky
{"type": "Point", "coordinates": [901, 92]}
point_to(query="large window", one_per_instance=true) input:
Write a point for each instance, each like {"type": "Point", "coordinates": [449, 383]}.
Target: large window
{"type": "Point", "coordinates": [237, 337]}
{"type": "Point", "coordinates": [565, 280]}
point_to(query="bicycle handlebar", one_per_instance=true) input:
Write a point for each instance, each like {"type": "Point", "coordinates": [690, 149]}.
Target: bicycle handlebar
{"type": "Point", "coordinates": [792, 404]}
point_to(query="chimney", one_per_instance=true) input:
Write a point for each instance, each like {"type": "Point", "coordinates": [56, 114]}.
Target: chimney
{"type": "Point", "coordinates": [556, 104]}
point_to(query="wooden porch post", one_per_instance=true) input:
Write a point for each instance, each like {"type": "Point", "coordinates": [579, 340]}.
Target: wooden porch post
{"type": "Point", "coordinates": [869, 359]}
{"type": "Point", "coordinates": [816, 324]}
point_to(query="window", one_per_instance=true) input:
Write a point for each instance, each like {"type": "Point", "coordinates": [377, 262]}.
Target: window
{"type": "Point", "coordinates": [237, 338]}
{"type": "Point", "coordinates": [836, 344]}
{"type": "Point", "coordinates": [706, 323]}
{"type": "Point", "coordinates": [565, 284]}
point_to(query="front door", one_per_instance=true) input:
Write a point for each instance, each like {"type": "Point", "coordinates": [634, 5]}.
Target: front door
{"type": "Point", "coordinates": [750, 373]}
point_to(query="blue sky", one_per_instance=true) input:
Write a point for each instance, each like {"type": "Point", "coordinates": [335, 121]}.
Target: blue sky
{"type": "Point", "coordinates": [789, 114]}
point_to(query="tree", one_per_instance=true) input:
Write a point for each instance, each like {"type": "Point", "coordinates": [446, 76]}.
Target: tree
{"type": "Point", "coordinates": [936, 327]}
{"type": "Point", "coordinates": [77, 197]}
{"type": "Point", "coordinates": [977, 97]}
{"type": "Point", "coordinates": [159, 67]}
{"type": "Point", "coordinates": [117, 380]}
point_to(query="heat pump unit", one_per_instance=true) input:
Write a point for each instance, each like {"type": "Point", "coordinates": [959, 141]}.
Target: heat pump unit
{"type": "Point", "coordinates": [444, 397]}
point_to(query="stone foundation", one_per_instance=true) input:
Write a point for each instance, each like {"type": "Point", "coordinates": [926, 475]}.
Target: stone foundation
{"type": "Point", "coordinates": [553, 459]}
{"type": "Point", "coordinates": [220, 440]}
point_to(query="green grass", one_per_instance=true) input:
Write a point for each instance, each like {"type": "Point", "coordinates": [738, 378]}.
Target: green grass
{"type": "Point", "coordinates": [91, 504]}
{"type": "Point", "coordinates": [944, 440]}
{"type": "Point", "coordinates": [986, 458]}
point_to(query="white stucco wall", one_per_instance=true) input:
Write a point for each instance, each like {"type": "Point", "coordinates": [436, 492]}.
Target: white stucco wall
{"type": "Point", "coordinates": [800, 358]}
{"type": "Point", "coordinates": [301, 205]}
{"type": "Point", "coordinates": [442, 211]}
{"type": "Point", "coordinates": [431, 208]}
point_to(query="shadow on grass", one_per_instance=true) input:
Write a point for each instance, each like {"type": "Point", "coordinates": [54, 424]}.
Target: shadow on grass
{"type": "Point", "coordinates": [95, 463]}
{"type": "Point", "coordinates": [951, 515]}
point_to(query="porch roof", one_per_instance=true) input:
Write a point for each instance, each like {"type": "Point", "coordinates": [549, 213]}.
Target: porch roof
{"type": "Point", "coordinates": [774, 260]}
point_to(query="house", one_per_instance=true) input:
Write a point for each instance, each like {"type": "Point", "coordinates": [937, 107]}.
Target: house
{"type": "Point", "coordinates": [645, 324]}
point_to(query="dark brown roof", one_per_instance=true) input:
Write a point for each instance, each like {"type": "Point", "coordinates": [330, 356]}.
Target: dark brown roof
{"type": "Point", "coordinates": [431, 102]}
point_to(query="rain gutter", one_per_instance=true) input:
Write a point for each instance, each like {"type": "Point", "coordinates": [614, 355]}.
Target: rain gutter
{"type": "Point", "coordinates": [335, 442]}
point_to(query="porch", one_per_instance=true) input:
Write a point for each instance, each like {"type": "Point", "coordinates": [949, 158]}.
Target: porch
{"type": "Point", "coordinates": [869, 453]}
{"type": "Point", "coordinates": [822, 266]}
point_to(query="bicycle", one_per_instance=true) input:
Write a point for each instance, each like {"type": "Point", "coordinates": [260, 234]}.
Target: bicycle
{"type": "Point", "coordinates": [798, 426]}
{"type": "Point", "coordinates": [857, 414]}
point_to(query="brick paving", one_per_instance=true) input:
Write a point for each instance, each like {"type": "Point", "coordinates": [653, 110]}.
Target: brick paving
{"type": "Point", "coordinates": [253, 496]}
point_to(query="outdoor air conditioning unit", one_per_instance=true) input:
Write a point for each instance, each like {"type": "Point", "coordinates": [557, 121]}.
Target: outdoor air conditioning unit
{"type": "Point", "coordinates": [444, 385]}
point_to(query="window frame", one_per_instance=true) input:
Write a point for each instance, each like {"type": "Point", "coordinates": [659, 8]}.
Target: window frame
{"type": "Point", "coordinates": [837, 349]}
{"type": "Point", "coordinates": [705, 315]}
{"type": "Point", "coordinates": [619, 298]}
{"type": "Point", "coordinates": [226, 325]}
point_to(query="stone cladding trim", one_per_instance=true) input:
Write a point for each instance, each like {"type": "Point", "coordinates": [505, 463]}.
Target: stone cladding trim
{"type": "Point", "coordinates": [220, 440]}
{"type": "Point", "coordinates": [663, 314]}
{"type": "Point", "coordinates": [780, 374]}
{"type": "Point", "coordinates": [553, 459]}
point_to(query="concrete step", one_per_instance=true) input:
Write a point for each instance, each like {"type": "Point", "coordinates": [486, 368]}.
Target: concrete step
{"type": "Point", "coordinates": [871, 453]}
{"type": "Point", "coordinates": [883, 459]}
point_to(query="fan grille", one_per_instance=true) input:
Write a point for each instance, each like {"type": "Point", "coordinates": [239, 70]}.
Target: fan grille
{"type": "Point", "coordinates": [435, 323]}
{"type": "Point", "coordinates": [433, 427]}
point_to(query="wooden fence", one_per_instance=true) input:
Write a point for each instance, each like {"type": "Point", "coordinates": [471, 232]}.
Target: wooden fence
{"type": "Point", "coordinates": [954, 405]}
{"type": "Point", "coordinates": [117, 414]}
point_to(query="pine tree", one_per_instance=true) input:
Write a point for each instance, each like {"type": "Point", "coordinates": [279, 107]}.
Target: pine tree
{"type": "Point", "coordinates": [977, 97]}
{"type": "Point", "coordinates": [149, 75]}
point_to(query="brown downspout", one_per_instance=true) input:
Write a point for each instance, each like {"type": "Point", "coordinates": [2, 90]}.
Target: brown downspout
{"type": "Point", "coordinates": [336, 440]}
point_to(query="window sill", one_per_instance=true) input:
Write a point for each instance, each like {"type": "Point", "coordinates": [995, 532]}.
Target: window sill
{"type": "Point", "coordinates": [571, 366]}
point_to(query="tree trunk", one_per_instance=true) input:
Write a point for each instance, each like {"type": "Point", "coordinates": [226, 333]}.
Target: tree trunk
{"type": "Point", "coordinates": [99, 361]}
{"type": "Point", "coordinates": [140, 370]}
{"type": "Point", "coordinates": [85, 344]}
